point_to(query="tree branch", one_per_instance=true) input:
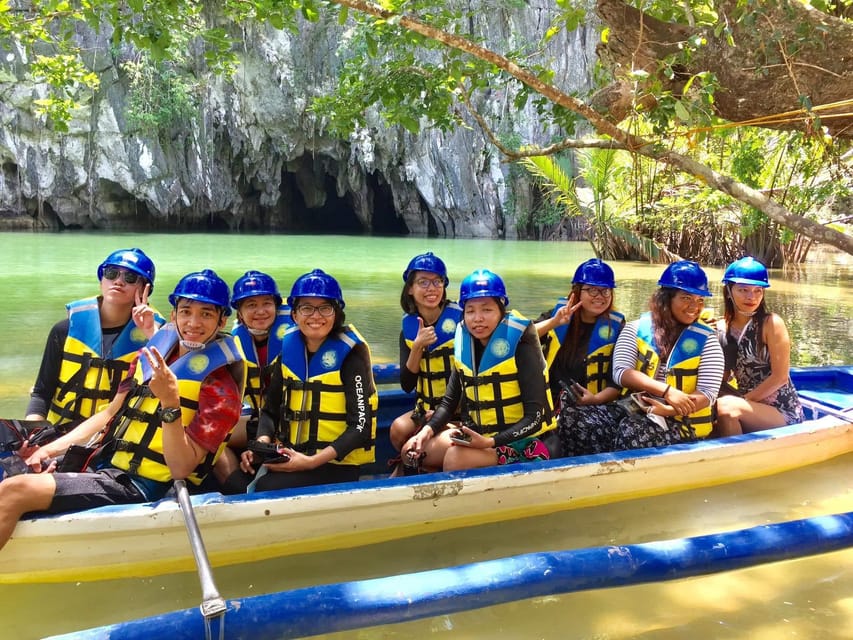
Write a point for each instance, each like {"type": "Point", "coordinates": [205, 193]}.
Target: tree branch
{"type": "Point", "coordinates": [630, 142]}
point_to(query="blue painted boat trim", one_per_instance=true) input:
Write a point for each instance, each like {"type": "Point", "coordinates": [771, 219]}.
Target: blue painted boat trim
{"type": "Point", "coordinates": [367, 603]}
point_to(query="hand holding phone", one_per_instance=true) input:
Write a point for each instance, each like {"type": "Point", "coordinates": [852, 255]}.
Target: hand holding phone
{"type": "Point", "coordinates": [460, 437]}
{"type": "Point", "coordinates": [266, 453]}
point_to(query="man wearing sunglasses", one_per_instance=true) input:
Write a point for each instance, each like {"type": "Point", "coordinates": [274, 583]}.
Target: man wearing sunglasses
{"type": "Point", "coordinates": [88, 353]}
{"type": "Point", "coordinates": [169, 419]}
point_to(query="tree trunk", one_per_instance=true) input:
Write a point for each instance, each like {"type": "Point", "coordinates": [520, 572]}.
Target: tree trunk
{"type": "Point", "coordinates": [784, 56]}
{"type": "Point", "coordinates": [624, 139]}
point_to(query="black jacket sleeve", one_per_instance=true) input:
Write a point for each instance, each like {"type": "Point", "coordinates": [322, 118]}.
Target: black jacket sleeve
{"type": "Point", "coordinates": [531, 381]}
{"type": "Point", "coordinates": [447, 408]}
{"type": "Point", "coordinates": [48, 376]}
{"type": "Point", "coordinates": [358, 383]}
{"type": "Point", "coordinates": [408, 379]}
{"type": "Point", "coordinates": [270, 415]}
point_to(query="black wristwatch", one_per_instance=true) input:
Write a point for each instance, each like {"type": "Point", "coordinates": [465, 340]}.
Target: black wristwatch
{"type": "Point", "coordinates": [168, 415]}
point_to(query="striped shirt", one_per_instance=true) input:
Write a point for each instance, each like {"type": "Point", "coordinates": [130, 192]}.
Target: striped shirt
{"type": "Point", "coordinates": [711, 364]}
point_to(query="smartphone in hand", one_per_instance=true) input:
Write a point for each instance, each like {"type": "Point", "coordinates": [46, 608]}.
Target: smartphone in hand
{"type": "Point", "coordinates": [460, 437]}
{"type": "Point", "coordinates": [266, 453]}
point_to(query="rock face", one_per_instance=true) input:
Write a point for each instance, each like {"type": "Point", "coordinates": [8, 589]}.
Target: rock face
{"type": "Point", "coordinates": [254, 158]}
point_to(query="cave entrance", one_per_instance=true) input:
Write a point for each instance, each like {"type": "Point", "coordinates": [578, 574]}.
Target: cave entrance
{"type": "Point", "coordinates": [310, 203]}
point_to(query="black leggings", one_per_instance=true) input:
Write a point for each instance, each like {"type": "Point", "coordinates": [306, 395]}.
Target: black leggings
{"type": "Point", "coordinates": [325, 474]}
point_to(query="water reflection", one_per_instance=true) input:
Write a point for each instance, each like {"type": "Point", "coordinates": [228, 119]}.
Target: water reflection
{"type": "Point", "coordinates": [612, 614]}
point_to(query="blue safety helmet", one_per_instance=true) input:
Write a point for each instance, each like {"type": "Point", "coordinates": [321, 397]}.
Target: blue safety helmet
{"type": "Point", "coordinates": [747, 270]}
{"type": "Point", "coordinates": [254, 283]}
{"type": "Point", "coordinates": [687, 276]}
{"type": "Point", "coordinates": [131, 259]}
{"type": "Point", "coordinates": [317, 284]}
{"type": "Point", "coordinates": [427, 262]}
{"type": "Point", "coordinates": [482, 283]}
{"type": "Point", "coordinates": [595, 273]}
{"type": "Point", "coordinates": [202, 286]}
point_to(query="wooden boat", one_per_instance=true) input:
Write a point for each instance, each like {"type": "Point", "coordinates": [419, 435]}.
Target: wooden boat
{"type": "Point", "coordinates": [368, 603]}
{"type": "Point", "coordinates": [149, 539]}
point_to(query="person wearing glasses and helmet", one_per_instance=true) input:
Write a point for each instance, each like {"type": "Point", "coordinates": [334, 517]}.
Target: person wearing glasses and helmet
{"type": "Point", "coordinates": [320, 406]}
{"type": "Point", "coordinates": [169, 419]}
{"type": "Point", "coordinates": [426, 342]}
{"type": "Point", "coordinates": [261, 322]}
{"type": "Point", "coordinates": [88, 353]}
{"type": "Point", "coordinates": [578, 337]}
{"type": "Point", "coordinates": [579, 333]}
{"type": "Point", "coordinates": [758, 355]}
{"type": "Point", "coordinates": [498, 387]}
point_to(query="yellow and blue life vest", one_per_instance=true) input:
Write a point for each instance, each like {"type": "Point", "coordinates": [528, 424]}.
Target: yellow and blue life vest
{"type": "Point", "coordinates": [682, 367]}
{"type": "Point", "coordinates": [254, 394]}
{"type": "Point", "coordinates": [88, 377]}
{"type": "Point", "coordinates": [491, 393]}
{"type": "Point", "coordinates": [138, 432]}
{"type": "Point", "coordinates": [600, 348]}
{"type": "Point", "coordinates": [437, 362]}
{"type": "Point", "coordinates": [314, 404]}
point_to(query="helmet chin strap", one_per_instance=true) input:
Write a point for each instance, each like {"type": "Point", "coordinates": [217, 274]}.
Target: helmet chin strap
{"type": "Point", "coordinates": [191, 346]}
{"type": "Point", "coordinates": [259, 333]}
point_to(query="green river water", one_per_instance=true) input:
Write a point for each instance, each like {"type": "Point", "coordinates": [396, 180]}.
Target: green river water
{"type": "Point", "coordinates": [807, 598]}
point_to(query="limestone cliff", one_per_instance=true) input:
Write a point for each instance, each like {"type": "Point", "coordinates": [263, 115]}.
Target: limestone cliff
{"type": "Point", "coordinates": [254, 158]}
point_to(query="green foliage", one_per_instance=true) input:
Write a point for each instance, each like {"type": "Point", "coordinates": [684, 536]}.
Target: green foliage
{"type": "Point", "coordinates": [67, 78]}
{"type": "Point", "coordinates": [161, 98]}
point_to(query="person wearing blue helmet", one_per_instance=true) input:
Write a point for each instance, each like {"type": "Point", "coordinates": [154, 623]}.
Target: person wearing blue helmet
{"type": "Point", "coordinates": [261, 320]}
{"type": "Point", "coordinates": [168, 420]}
{"type": "Point", "coordinates": [320, 407]}
{"type": "Point", "coordinates": [88, 353]}
{"type": "Point", "coordinates": [672, 360]}
{"type": "Point", "coordinates": [426, 343]}
{"type": "Point", "coordinates": [578, 337]}
{"type": "Point", "coordinates": [758, 356]}
{"type": "Point", "coordinates": [498, 388]}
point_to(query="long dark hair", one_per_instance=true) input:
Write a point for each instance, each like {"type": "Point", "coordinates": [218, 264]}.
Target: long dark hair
{"type": "Point", "coordinates": [570, 350]}
{"type": "Point", "coordinates": [666, 328]}
{"type": "Point", "coordinates": [761, 314]}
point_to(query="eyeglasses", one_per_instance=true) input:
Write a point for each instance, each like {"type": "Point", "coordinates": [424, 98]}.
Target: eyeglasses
{"type": "Point", "coordinates": [424, 283]}
{"type": "Point", "coordinates": [597, 292]}
{"type": "Point", "coordinates": [307, 310]}
{"type": "Point", "coordinates": [113, 273]}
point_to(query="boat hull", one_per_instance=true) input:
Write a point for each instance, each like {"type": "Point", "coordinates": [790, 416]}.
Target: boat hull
{"type": "Point", "coordinates": [143, 540]}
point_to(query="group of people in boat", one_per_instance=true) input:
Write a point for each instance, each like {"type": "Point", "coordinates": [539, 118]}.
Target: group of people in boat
{"type": "Point", "coordinates": [286, 398]}
{"type": "Point", "coordinates": [580, 380]}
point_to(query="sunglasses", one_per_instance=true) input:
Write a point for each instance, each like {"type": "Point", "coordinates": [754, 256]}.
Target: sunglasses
{"type": "Point", "coordinates": [113, 273]}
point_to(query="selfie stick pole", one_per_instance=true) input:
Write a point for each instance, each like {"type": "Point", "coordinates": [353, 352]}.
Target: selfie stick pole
{"type": "Point", "coordinates": [212, 603]}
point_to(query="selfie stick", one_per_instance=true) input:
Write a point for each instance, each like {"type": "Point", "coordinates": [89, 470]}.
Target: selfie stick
{"type": "Point", "coordinates": [212, 603]}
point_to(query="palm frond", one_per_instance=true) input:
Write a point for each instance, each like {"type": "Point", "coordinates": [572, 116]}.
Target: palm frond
{"type": "Point", "coordinates": [621, 241]}
{"type": "Point", "coordinates": [555, 182]}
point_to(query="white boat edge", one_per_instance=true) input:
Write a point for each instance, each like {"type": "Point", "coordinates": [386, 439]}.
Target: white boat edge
{"type": "Point", "coordinates": [144, 540]}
